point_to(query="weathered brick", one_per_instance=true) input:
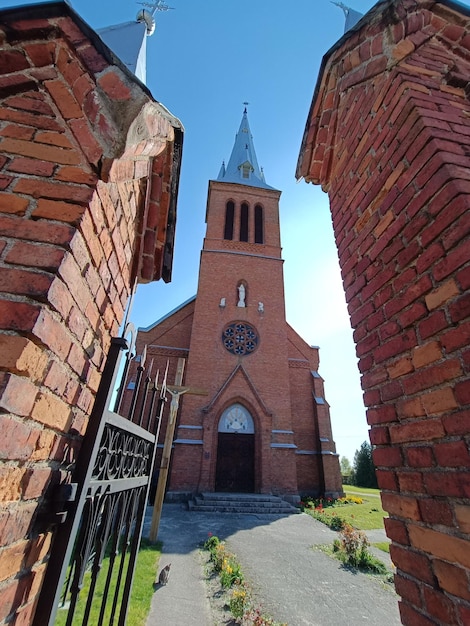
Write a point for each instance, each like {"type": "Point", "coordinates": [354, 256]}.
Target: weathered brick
{"type": "Point", "coordinates": [459, 309]}
{"type": "Point", "coordinates": [412, 562]}
{"type": "Point", "coordinates": [410, 615]}
{"type": "Point", "coordinates": [439, 607]}
{"type": "Point", "coordinates": [425, 354]}
{"type": "Point", "coordinates": [440, 295]}
{"type": "Point", "coordinates": [34, 482]}
{"type": "Point", "coordinates": [452, 579]}
{"type": "Point", "coordinates": [439, 401]}
{"type": "Point", "coordinates": [10, 480]}
{"type": "Point", "coordinates": [35, 255]}
{"type": "Point", "coordinates": [114, 87]}
{"type": "Point", "coordinates": [396, 346]}
{"type": "Point", "coordinates": [51, 411]}
{"type": "Point", "coordinates": [434, 511]}
{"type": "Point", "coordinates": [401, 506]}
{"type": "Point", "coordinates": [462, 514]}
{"type": "Point", "coordinates": [27, 102]}
{"type": "Point", "coordinates": [410, 481]}
{"type": "Point", "coordinates": [79, 194]}
{"type": "Point", "coordinates": [387, 457]}
{"type": "Point", "coordinates": [34, 284]}
{"type": "Point", "coordinates": [441, 545]}
{"type": "Point", "coordinates": [21, 356]}
{"type": "Point", "coordinates": [432, 325]}
{"type": "Point", "coordinates": [57, 234]}
{"type": "Point", "coordinates": [432, 376]}
{"type": "Point", "coordinates": [12, 203]}
{"type": "Point", "coordinates": [40, 151]}
{"type": "Point", "coordinates": [64, 99]}
{"type": "Point", "coordinates": [420, 430]}
{"type": "Point", "coordinates": [15, 523]}
{"type": "Point", "coordinates": [31, 166]}
{"type": "Point", "coordinates": [456, 338]}
{"type": "Point", "coordinates": [29, 119]}
{"type": "Point", "coordinates": [442, 483]}
{"type": "Point", "coordinates": [396, 531]}
{"type": "Point", "coordinates": [13, 61]}
{"type": "Point", "coordinates": [17, 394]}
{"type": "Point", "coordinates": [12, 558]}
{"type": "Point", "coordinates": [56, 210]}
{"type": "Point", "coordinates": [408, 590]}
{"type": "Point", "coordinates": [452, 454]}
{"type": "Point", "coordinates": [421, 456]}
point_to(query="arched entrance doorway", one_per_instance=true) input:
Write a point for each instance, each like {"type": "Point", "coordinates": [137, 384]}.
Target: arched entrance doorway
{"type": "Point", "coordinates": [235, 470]}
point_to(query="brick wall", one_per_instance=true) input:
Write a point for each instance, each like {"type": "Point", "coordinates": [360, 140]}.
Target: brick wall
{"type": "Point", "coordinates": [77, 228]}
{"type": "Point", "coordinates": [388, 138]}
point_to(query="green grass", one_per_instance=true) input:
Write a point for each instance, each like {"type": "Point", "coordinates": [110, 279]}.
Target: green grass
{"type": "Point", "coordinates": [366, 516]}
{"type": "Point", "coordinates": [382, 545]}
{"type": "Point", "coordinates": [352, 490]}
{"type": "Point", "coordinates": [141, 594]}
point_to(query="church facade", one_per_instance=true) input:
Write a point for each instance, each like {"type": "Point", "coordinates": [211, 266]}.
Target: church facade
{"type": "Point", "coordinates": [255, 418]}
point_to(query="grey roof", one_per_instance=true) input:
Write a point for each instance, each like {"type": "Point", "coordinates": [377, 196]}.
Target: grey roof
{"type": "Point", "coordinates": [146, 329]}
{"type": "Point", "coordinates": [243, 167]}
{"type": "Point", "coordinates": [129, 42]}
{"type": "Point", "coordinates": [352, 18]}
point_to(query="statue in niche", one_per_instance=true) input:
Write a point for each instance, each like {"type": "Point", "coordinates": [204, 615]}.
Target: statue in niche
{"type": "Point", "coordinates": [241, 295]}
{"type": "Point", "coordinates": [260, 307]}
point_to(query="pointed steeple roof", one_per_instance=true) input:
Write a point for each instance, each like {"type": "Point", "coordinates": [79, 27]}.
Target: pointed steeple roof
{"type": "Point", "coordinates": [242, 167]}
{"type": "Point", "coordinates": [352, 16]}
{"type": "Point", "coordinates": [129, 42]}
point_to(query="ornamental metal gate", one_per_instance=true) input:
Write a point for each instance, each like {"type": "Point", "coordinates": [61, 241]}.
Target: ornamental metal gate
{"type": "Point", "coordinates": [93, 556]}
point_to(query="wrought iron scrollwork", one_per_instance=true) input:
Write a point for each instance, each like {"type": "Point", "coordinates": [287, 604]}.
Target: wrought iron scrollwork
{"type": "Point", "coordinates": [101, 532]}
{"type": "Point", "coordinates": [121, 455]}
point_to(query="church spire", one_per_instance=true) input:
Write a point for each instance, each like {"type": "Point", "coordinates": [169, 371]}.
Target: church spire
{"type": "Point", "coordinates": [129, 40]}
{"type": "Point", "coordinates": [242, 167]}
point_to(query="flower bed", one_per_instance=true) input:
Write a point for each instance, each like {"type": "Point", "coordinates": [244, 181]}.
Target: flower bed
{"type": "Point", "coordinates": [225, 564]}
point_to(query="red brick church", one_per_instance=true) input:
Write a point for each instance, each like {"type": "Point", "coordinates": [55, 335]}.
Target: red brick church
{"type": "Point", "coordinates": [261, 423]}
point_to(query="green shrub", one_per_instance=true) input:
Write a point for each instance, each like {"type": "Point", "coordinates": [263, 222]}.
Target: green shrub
{"type": "Point", "coordinates": [238, 602]}
{"type": "Point", "coordinates": [352, 549]}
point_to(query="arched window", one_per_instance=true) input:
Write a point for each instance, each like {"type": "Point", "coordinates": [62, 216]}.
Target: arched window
{"type": "Point", "coordinates": [229, 215]}
{"type": "Point", "coordinates": [259, 234]}
{"type": "Point", "coordinates": [236, 419]}
{"type": "Point", "coordinates": [244, 222]}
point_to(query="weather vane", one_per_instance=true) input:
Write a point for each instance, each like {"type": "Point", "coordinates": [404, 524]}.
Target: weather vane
{"type": "Point", "coordinates": [341, 5]}
{"type": "Point", "coordinates": [159, 5]}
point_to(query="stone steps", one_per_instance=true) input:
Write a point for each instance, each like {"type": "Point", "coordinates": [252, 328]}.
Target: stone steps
{"type": "Point", "coordinates": [252, 503]}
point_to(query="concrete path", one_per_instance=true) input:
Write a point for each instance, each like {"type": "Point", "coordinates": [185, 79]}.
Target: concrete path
{"type": "Point", "coordinates": [295, 583]}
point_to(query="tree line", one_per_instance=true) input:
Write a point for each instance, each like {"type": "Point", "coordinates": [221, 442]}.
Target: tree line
{"type": "Point", "coordinates": [362, 471]}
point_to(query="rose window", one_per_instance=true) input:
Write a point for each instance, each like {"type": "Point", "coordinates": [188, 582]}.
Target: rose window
{"type": "Point", "coordinates": [240, 338]}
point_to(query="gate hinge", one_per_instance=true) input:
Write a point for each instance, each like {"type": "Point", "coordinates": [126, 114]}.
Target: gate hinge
{"type": "Point", "coordinates": [62, 494]}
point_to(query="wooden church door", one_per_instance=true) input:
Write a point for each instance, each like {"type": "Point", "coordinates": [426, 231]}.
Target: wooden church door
{"type": "Point", "coordinates": [235, 470]}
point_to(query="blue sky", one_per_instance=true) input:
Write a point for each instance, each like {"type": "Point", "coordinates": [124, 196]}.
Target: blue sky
{"type": "Point", "coordinates": [205, 59]}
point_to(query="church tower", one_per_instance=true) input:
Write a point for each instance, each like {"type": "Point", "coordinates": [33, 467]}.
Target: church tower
{"type": "Point", "coordinates": [262, 425]}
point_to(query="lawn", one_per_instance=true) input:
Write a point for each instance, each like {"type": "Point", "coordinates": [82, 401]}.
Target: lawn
{"type": "Point", "coordinates": [365, 515]}
{"type": "Point", "coordinates": [141, 594]}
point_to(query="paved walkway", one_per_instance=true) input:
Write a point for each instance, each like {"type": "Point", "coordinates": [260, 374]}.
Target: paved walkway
{"type": "Point", "coordinates": [296, 583]}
